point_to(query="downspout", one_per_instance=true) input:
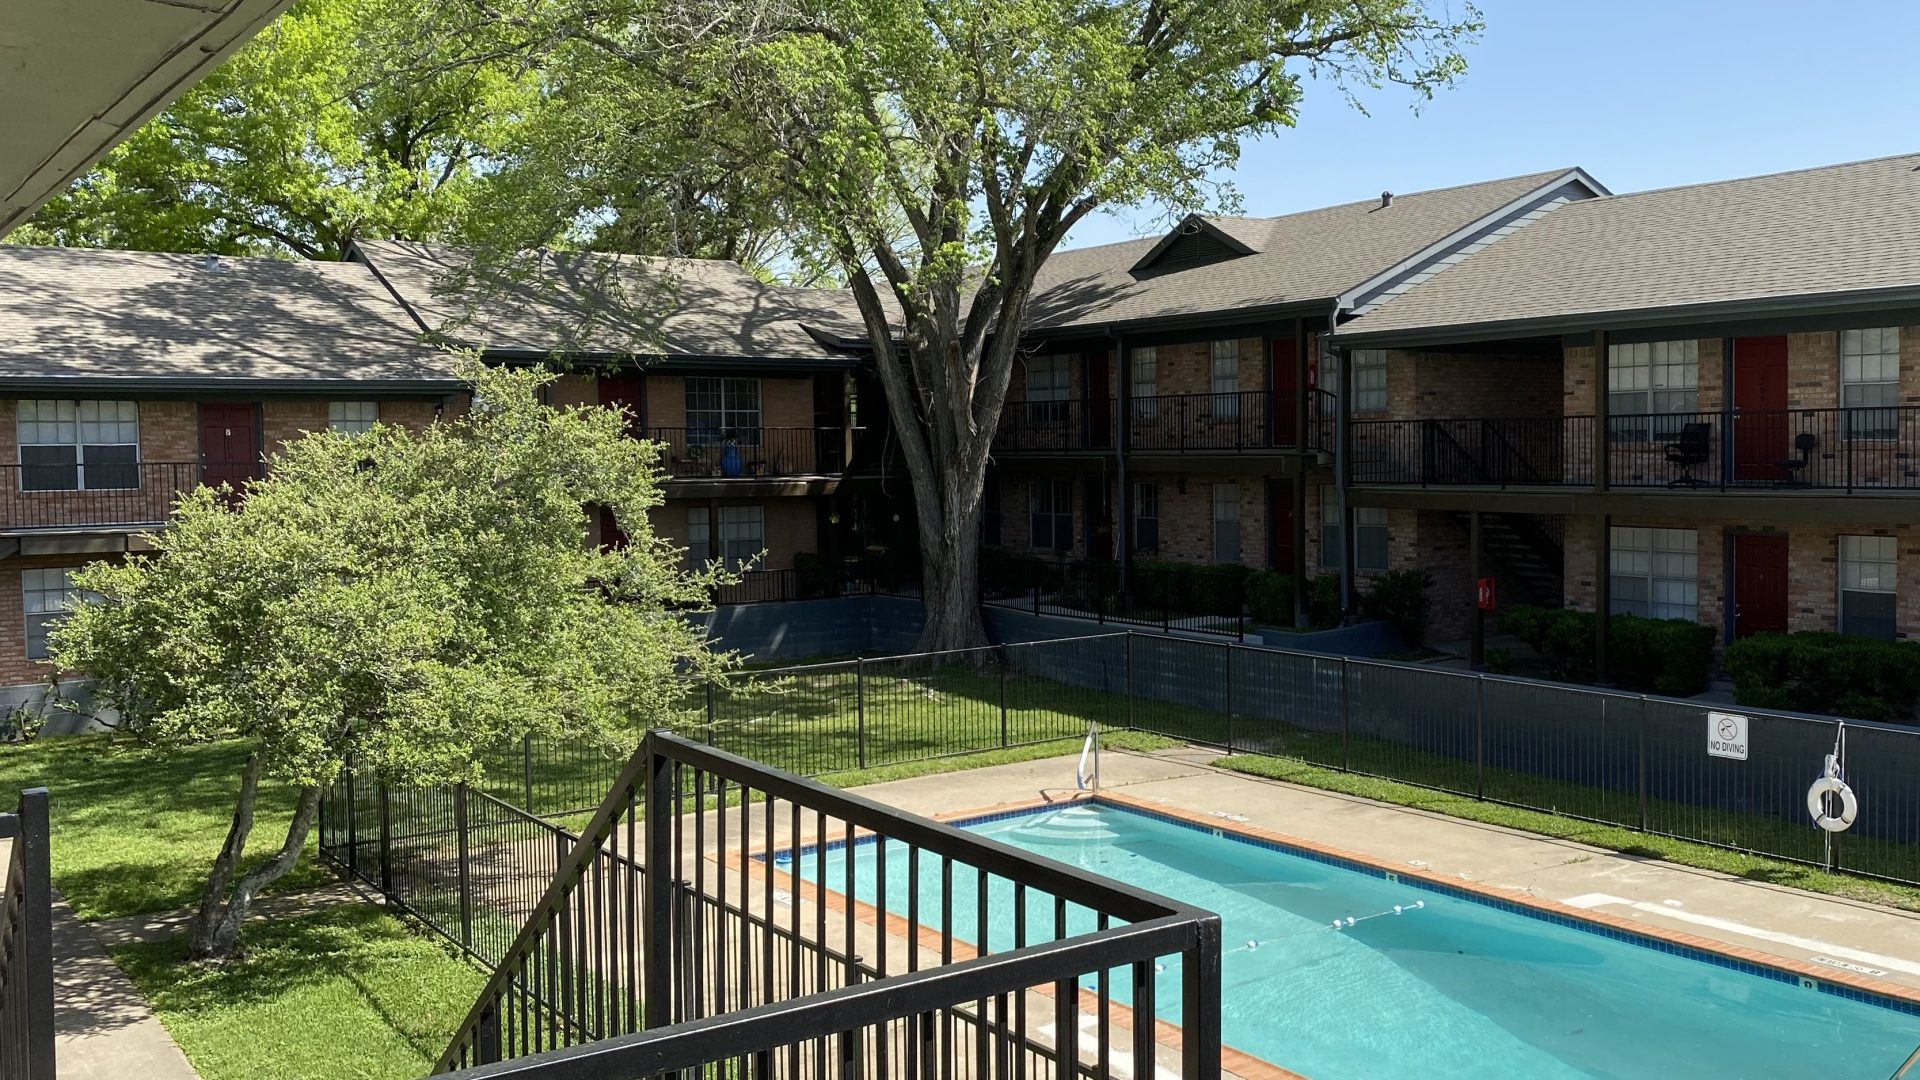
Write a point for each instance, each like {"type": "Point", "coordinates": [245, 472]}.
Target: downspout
{"type": "Point", "coordinates": [1122, 434]}
{"type": "Point", "coordinates": [1342, 458]}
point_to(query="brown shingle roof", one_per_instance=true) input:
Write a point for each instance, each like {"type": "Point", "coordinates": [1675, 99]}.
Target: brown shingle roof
{"type": "Point", "coordinates": [604, 304]}
{"type": "Point", "coordinates": [82, 314]}
{"type": "Point", "coordinates": [1828, 231]}
{"type": "Point", "coordinates": [1299, 258]}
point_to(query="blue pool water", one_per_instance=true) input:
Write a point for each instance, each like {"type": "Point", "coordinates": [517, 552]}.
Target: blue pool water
{"type": "Point", "coordinates": [1452, 988]}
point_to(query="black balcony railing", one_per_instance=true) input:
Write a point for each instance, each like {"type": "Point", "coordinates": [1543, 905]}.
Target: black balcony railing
{"type": "Point", "coordinates": [32, 497]}
{"type": "Point", "coordinates": [736, 453]}
{"type": "Point", "coordinates": [712, 919]}
{"type": "Point", "coordinates": [1844, 449]}
{"type": "Point", "coordinates": [1248, 420]}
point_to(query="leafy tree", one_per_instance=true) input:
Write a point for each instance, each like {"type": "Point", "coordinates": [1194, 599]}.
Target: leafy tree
{"type": "Point", "coordinates": [988, 129]}
{"type": "Point", "coordinates": [319, 131]}
{"type": "Point", "coordinates": [409, 601]}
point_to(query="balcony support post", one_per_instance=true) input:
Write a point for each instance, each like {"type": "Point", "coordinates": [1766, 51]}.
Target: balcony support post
{"type": "Point", "coordinates": [1122, 443]}
{"type": "Point", "coordinates": [1343, 475]}
{"type": "Point", "coordinates": [1477, 626]}
{"type": "Point", "coordinates": [1300, 360]}
{"type": "Point", "coordinates": [1602, 594]}
{"type": "Point", "coordinates": [1602, 465]}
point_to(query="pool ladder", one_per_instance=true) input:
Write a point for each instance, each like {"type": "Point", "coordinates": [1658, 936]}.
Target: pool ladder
{"type": "Point", "coordinates": [1907, 1067]}
{"type": "Point", "coordinates": [1089, 750]}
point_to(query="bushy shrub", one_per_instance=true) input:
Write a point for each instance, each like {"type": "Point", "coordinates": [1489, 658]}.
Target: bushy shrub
{"type": "Point", "coordinates": [1210, 588]}
{"type": "Point", "coordinates": [1401, 599]}
{"type": "Point", "coordinates": [1270, 597]}
{"type": "Point", "coordinates": [816, 575]}
{"type": "Point", "coordinates": [1662, 656]}
{"type": "Point", "coordinates": [1323, 602]}
{"type": "Point", "coordinates": [1828, 673]}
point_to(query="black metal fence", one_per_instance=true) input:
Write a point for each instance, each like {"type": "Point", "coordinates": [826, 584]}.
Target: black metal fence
{"type": "Point", "coordinates": [54, 496]}
{"type": "Point", "coordinates": [769, 947]}
{"type": "Point", "coordinates": [26, 943]}
{"type": "Point", "coordinates": [715, 453]}
{"type": "Point", "coordinates": [1193, 600]}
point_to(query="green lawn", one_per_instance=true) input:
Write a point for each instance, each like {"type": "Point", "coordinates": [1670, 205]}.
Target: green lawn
{"type": "Point", "coordinates": [134, 831]}
{"type": "Point", "coordinates": [345, 992]}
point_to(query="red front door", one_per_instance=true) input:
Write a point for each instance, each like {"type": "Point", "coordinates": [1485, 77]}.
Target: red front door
{"type": "Point", "coordinates": [628, 392]}
{"type": "Point", "coordinates": [229, 443]}
{"type": "Point", "coordinates": [1099, 399]}
{"type": "Point", "coordinates": [1760, 439]}
{"type": "Point", "coordinates": [1280, 535]}
{"type": "Point", "coordinates": [1283, 368]}
{"type": "Point", "coordinates": [1759, 584]}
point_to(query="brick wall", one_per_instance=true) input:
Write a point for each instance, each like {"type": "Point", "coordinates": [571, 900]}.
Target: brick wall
{"type": "Point", "coordinates": [789, 526]}
{"type": "Point", "coordinates": [283, 421]}
{"type": "Point", "coordinates": [15, 668]}
{"type": "Point", "coordinates": [1813, 567]}
{"type": "Point", "coordinates": [784, 402]}
{"type": "Point", "coordinates": [1186, 518]}
{"type": "Point", "coordinates": [1429, 385]}
{"type": "Point", "coordinates": [1016, 532]}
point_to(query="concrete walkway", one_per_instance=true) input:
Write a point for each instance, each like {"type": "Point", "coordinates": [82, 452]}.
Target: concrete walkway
{"type": "Point", "coordinates": [103, 1028]}
{"type": "Point", "coordinates": [1842, 935]}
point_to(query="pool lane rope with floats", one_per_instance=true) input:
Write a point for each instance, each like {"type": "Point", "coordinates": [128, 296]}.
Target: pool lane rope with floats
{"type": "Point", "coordinates": [1337, 924]}
{"type": "Point", "coordinates": [1833, 784]}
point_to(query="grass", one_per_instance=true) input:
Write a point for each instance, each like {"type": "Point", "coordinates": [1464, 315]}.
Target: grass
{"type": "Point", "coordinates": [344, 992]}
{"type": "Point", "coordinates": [134, 831]}
{"type": "Point", "coordinates": [1611, 837]}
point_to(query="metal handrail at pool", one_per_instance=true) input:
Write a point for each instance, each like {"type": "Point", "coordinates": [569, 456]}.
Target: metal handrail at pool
{"type": "Point", "coordinates": [746, 954]}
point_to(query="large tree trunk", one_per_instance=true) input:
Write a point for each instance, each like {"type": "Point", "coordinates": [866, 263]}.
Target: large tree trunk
{"type": "Point", "coordinates": [216, 932]}
{"type": "Point", "coordinates": [950, 584]}
{"type": "Point", "coordinates": [201, 942]}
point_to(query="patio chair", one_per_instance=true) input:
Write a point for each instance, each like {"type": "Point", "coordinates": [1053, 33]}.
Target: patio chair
{"type": "Point", "coordinates": [1795, 468]}
{"type": "Point", "coordinates": [1694, 447]}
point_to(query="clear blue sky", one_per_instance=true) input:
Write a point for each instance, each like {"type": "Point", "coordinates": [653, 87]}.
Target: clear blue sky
{"type": "Point", "coordinates": [1642, 93]}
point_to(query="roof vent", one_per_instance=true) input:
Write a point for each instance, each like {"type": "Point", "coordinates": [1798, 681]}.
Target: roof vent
{"type": "Point", "coordinates": [1386, 199]}
{"type": "Point", "coordinates": [211, 264]}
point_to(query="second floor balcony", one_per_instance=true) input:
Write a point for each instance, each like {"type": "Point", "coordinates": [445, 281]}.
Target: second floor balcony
{"type": "Point", "coordinates": [752, 452]}
{"type": "Point", "coordinates": [1835, 449]}
{"type": "Point", "coordinates": [1249, 421]}
{"type": "Point", "coordinates": [54, 498]}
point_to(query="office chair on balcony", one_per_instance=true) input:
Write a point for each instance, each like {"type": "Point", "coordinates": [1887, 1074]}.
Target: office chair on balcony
{"type": "Point", "coordinates": [1694, 447]}
{"type": "Point", "coordinates": [1795, 468]}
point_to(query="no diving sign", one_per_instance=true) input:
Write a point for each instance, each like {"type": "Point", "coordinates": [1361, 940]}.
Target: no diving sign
{"type": "Point", "coordinates": [1727, 735]}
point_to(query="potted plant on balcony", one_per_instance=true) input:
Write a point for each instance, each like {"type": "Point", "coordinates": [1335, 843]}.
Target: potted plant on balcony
{"type": "Point", "coordinates": [730, 463]}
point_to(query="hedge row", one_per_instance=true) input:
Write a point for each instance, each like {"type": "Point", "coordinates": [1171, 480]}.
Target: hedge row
{"type": "Point", "coordinates": [1857, 677]}
{"type": "Point", "coordinates": [1661, 656]}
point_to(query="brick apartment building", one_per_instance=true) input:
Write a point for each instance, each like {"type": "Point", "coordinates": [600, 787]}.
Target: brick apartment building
{"type": "Point", "coordinates": [1701, 402]}
{"type": "Point", "coordinates": [127, 377]}
{"type": "Point", "coordinates": [753, 389]}
{"type": "Point", "coordinates": [1179, 397]}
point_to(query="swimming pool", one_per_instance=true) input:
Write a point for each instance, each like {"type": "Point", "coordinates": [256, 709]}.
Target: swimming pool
{"type": "Point", "coordinates": [1449, 987]}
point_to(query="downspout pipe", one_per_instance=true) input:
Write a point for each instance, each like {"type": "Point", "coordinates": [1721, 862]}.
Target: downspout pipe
{"type": "Point", "coordinates": [1343, 436]}
{"type": "Point", "coordinates": [1122, 368]}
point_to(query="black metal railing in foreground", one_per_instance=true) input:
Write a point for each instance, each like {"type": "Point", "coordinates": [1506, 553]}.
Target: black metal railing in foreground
{"type": "Point", "coordinates": [26, 941]}
{"type": "Point", "coordinates": [740, 957]}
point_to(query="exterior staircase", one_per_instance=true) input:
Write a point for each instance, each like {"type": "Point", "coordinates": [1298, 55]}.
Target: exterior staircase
{"type": "Point", "coordinates": [1527, 549]}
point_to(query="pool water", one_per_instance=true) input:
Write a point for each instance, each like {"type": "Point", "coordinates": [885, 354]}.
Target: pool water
{"type": "Point", "coordinates": [1451, 987]}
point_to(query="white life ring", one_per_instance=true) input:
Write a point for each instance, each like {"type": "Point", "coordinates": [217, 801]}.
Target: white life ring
{"type": "Point", "coordinates": [1816, 803]}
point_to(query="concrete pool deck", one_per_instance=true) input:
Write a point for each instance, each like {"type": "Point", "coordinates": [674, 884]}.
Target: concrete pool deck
{"type": "Point", "coordinates": [1840, 940]}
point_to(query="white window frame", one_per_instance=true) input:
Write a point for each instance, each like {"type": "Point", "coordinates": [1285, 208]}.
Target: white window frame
{"type": "Point", "coordinates": [1146, 497]}
{"type": "Point", "coordinates": [1648, 381]}
{"type": "Point", "coordinates": [1223, 377]}
{"type": "Point", "coordinates": [352, 417]}
{"type": "Point", "coordinates": [105, 427]}
{"type": "Point", "coordinates": [1870, 381]}
{"type": "Point", "coordinates": [1049, 382]}
{"type": "Point", "coordinates": [721, 404]}
{"type": "Point", "coordinates": [1144, 381]}
{"type": "Point", "coordinates": [46, 595]}
{"type": "Point", "coordinates": [1370, 537]}
{"type": "Point", "coordinates": [1869, 566]}
{"type": "Point", "coordinates": [1369, 380]}
{"type": "Point", "coordinates": [1332, 527]}
{"type": "Point", "coordinates": [1226, 522]}
{"type": "Point", "coordinates": [1666, 563]}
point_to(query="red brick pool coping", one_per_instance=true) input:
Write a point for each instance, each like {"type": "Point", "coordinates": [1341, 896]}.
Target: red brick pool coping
{"type": "Point", "coordinates": [1238, 1062]}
